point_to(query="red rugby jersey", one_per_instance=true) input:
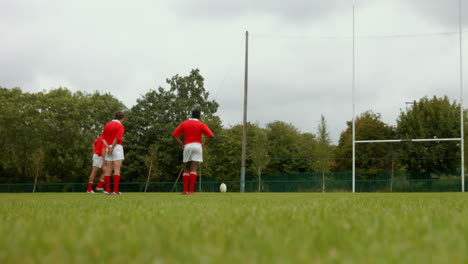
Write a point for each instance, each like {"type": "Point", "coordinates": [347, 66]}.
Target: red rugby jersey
{"type": "Point", "coordinates": [113, 130]}
{"type": "Point", "coordinates": [98, 146]}
{"type": "Point", "coordinates": [193, 130]}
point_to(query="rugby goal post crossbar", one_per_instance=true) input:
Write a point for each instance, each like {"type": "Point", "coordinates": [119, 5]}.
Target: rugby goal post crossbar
{"type": "Point", "coordinates": [407, 140]}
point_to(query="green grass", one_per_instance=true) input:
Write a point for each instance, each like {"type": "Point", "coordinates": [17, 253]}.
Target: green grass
{"type": "Point", "coordinates": [234, 228]}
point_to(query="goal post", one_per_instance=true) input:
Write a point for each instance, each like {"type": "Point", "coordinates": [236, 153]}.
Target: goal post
{"type": "Point", "coordinates": [461, 138]}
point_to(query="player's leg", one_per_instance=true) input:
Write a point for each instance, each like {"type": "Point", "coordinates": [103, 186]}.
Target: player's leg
{"type": "Point", "coordinates": [107, 174]}
{"type": "Point", "coordinates": [193, 175]}
{"type": "Point", "coordinates": [93, 174]}
{"type": "Point", "coordinates": [116, 165]}
{"type": "Point", "coordinates": [187, 166]}
{"type": "Point", "coordinates": [118, 157]}
{"type": "Point", "coordinates": [186, 175]}
{"type": "Point", "coordinates": [97, 163]}
{"type": "Point", "coordinates": [100, 186]}
{"type": "Point", "coordinates": [196, 158]}
{"type": "Point", "coordinates": [194, 165]}
{"type": "Point", "coordinates": [91, 179]}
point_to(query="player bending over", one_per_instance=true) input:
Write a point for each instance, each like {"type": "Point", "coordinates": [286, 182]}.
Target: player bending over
{"type": "Point", "coordinates": [97, 164]}
{"type": "Point", "coordinates": [192, 129]}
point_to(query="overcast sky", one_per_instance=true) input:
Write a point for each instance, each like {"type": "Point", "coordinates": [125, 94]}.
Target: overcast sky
{"type": "Point", "coordinates": [300, 52]}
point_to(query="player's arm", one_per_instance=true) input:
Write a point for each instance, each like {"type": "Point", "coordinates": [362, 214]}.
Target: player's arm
{"type": "Point", "coordinates": [108, 147]}
{"type": "Point", "coordinates": [207, 140]}
{"type": "Point", "coordinates": [177, 139]}
{"type": "Point", "coordinates": [114, 143]}
{"type": "Point", "coordinates": [176, 135]}
{"type": "Point", "coordinates": [208, 133]}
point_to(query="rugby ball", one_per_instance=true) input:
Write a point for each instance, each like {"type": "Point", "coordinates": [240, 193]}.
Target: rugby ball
{"type": "Point", "coordinates": [222, 188]}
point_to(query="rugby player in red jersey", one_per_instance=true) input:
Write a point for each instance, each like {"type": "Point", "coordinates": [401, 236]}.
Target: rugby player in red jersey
{"type": "Point", "coordinates": [112, 140]}
{"type": "Point", "coordinates": [97, 164]}
{"type": "Point", "coordinates": [192, 129]}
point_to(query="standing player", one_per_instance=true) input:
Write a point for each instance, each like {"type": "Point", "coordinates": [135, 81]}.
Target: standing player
{"type": "Point", "coordinates": [193, 129]}
{"type": "Point", "coordinates": [112, 140]}
{"type": "Point", "coordinates": [97, 164]}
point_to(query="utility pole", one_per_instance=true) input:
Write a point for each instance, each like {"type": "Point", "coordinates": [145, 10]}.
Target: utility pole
{"type": "Point", "coordinates": [244, 130]}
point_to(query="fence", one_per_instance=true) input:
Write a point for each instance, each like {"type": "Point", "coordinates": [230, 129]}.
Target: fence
{"type": "Point", "coordinates": [384, 181]}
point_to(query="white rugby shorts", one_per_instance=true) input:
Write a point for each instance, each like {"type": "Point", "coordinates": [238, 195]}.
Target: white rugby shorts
{"type": "Point", "coordinates": [193, 152]}
{"type": "Point", "coordinates": [97, 161]}
{"type": "Point", "coordinates": [117, 154]}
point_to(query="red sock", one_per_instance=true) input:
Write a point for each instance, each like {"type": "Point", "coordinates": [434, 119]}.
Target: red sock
{"type": "Point", "coordinates": [100, 182]}
{"type": "Point", "coordinates": [90, 186]}
{"type": "Point", "coordinates": [193, 180]}
{"type": "Point", "coordinates": [185, 178]}
{"type": "Point", "coordinates": [116, 183]}
{"type": "Point", "coordinates": [107, 181]}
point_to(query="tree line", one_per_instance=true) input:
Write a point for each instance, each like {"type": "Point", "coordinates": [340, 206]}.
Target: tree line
{"type": "Point", "coordinates": [48, 136]}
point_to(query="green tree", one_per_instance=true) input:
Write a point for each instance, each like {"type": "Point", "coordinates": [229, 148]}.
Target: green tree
{"type": "Point", "coordinates": [370, 158]}
{"type": "Point", "coordinates": [225, 164]}
{"type": "Point", "coordinates": [60, 123]}
{"type": "Point", "coordinates": [37, 164]}
{"type": "Point", "coordinates": [17, 134]}
{"type": "Point", "coordinates": [307, 153]}
{"type": "Point", "coordinates": [323, 148]}
{"type": "Point", "coordinates": [289, 150]}
{"type": "Point", "coordinates": [430, 118]}
{"type": "Point", "coordinates": [72, 124]}
{"type": "Point", "coordinates": [155, 116]}
{"type": "Point", "coordinates": [151, 163]}
{"type": "Point", "coordinates": [257, 151]}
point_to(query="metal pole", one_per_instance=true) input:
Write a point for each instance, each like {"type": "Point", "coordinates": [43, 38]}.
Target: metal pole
{"type": "Point", "coordinates": [462, 143]}
{"type": "Point", "coordinates": [407, 140]}
{"type": "Point", "coordinates": [244, 130]}
{"type": "Point", "coordinates": [354, 125]}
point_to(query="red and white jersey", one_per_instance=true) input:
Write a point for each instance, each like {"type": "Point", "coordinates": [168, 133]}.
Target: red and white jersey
{"type": "Point", "coordinates": [193, 130]}
{"type": "Point", "coordinates": [98, 146]}
{"type": "Point", "coordinates": [113, 130]}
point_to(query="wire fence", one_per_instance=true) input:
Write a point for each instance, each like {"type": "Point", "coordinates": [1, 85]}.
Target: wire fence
{"type": "Point", "coordinates": [384, 181]}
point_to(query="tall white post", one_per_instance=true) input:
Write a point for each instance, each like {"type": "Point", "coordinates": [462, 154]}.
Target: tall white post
{"type": "Point", "coordinates": [462, 141]}
{"type": "Point", "coordinates": [354, 128]}
{"type": "Point", "coordinates": [244, 120]}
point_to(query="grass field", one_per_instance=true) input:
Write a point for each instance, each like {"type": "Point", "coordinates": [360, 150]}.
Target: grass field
{"type": "Point", "coordinates": [234, 228]}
